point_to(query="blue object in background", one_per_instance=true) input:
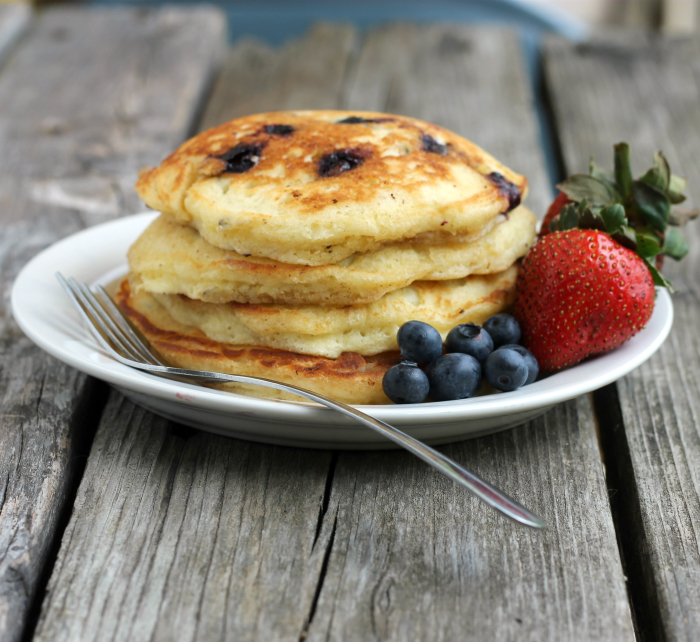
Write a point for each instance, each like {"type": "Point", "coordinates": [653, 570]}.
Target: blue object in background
{"type": "Point", "coordinates": [276, 21]}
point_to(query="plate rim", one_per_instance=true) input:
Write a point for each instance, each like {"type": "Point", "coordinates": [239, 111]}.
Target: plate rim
{"type": "Point", "coordinates": [552, 390]}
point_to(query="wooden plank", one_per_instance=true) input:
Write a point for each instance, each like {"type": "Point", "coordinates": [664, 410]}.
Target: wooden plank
{"type": "Point", "coordinates": [679, 16]}
{"type": "Point", "coordinates": [646, 91]}
{"type": "Point", "coordinates": [89, 97]}
{"type": "Point", "coordinates": [182, 536]}
{"type": "Point", "coordinates": [179, 536]}
{"type": "Point", "coordinates": [46, 425]}
{"type": "Point", "coordinates": [414, 557]}
{"type": "Point", "coordinates": [14, 20]}
{"type": "Point", "coordinates": [307, 73]}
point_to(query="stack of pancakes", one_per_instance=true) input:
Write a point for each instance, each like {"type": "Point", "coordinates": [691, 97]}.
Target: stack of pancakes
{"type": "Point", "coordinates": [293, 245]}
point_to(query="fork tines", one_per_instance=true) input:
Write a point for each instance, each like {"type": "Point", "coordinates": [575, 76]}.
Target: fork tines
{"type": "Point", "coordinates": [106, 322]}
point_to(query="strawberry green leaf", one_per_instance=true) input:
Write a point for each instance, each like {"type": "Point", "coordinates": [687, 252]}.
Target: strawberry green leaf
{"type": "Point", "coordinates": [597, 192]}
{"type": "Point", "coordinates": [626, 237]}
{"type": "Point", "coordinates": [676, 186]}
{"type": "Point", "coordinates": [658, 176]}
{"type": "Point", "coordinates": [602, 174]}
{"type": "Point", "coordinates": [659, 279]}
{"type": "Point", "coordinates": [661, 165]}
{"type": "Point", "coordinates": [653, 205]}
{"type": "Point", "coordinates": [675, 244]}
{"type": "Point", "coordinates": [614, 217]}
{"type": "Point", "coordinates": [590, 220]}
{"type": "Point", "coordinates": [677, 183]}
{"type": "Point", "coordinates": [623, 169]}
{"type": "Point", "coordinates": [675, 197]}
{"type": "Point", "coordinates": [680, 216]}
{"type": "Point", "coordinates": [568, 218]}
{"type": "Point", "coordinates": [648, 245]}
{"type": "Point", "coordinates": [654, 178]}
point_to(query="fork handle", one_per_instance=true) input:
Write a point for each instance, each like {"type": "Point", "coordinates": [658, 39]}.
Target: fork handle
{"type": "Point", "coordinates": [479, 487]}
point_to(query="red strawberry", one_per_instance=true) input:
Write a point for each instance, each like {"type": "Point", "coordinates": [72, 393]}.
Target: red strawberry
{"type": "Point", "coordinates": [581, 293]}
{"type": "Point", "coordinates": [553, 211]}
{"type": "Point", "coordinates": [588, 283]}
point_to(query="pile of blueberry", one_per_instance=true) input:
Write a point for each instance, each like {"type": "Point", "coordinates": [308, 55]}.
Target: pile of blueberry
{"type": "Point", "coordinates": [473, 353]}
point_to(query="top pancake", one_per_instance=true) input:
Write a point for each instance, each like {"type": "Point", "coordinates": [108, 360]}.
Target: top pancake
{"type": "Point", "coordinates": [314, 187]}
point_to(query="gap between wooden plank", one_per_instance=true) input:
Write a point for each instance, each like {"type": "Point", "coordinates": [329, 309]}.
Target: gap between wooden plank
{"type": "Point", "coordinates": [629, 527]}
{"type": "Point", "coordinates": [323, 511]}
{"type": "Point", "coordinates": [321, 579]}
{"type": "Point", "coordinates": [551, 128]}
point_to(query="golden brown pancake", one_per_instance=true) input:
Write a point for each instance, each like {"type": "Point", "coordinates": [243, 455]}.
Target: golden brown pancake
{"type": "Point", "coordinates": [366, 329]}
{"type": "Point", "coordinates": [172, 258]}
{"type": "Point", "coordinates": [350, 378]}
{"type": "Point", "coordinates": [315, 187]}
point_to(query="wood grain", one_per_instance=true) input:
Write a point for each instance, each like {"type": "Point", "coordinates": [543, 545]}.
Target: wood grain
{"type": "Point", "coordinates": [87, 99]}
{"type": "Point", "coordinates": [46, 425]}
{"type": "Point", "coordinates": [178, 535]}
{"type": "Point", "coordinates": [647, 91]}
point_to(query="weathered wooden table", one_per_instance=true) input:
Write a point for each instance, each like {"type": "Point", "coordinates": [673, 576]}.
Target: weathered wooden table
{"type": "Point", "coordinates": [116, 524]}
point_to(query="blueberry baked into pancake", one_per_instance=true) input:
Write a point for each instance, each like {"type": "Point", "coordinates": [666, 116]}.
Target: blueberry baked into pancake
{"type": "Point", "coordinates": [293, 245]}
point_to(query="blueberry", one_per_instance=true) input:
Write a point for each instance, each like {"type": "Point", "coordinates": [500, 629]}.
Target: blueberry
{"type": "Point", "coordinates": [241, 158]}
{"type": "Point", "coordinates": [503, 329]}
{"type": "Point", "coordinates": [335, 163]}
{"type": "Point", "coordinates": [405, 383]}
{"type": "Point", "coordinates": [533, 368]}
{"type": "Point", "coordinates": [355, 120]}
{"type": "Point", "coordinates": [431, 145]}
{"type": "Point", "coordinates": [505, 369]}
{"type": "Point", "coordinates": [279, 130]}
{"type": "Point", "coordinates": [454, 376]}
{"type": "Point", "coordinates": [470, 338]}
{"type": "Point", "coordinates": [419, 342]}
{"type": "Point", "coordinates": [508, 189]}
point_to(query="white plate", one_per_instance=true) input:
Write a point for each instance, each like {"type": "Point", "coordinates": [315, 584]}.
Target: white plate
{"type": "Point", "coordinates": [46, 315]}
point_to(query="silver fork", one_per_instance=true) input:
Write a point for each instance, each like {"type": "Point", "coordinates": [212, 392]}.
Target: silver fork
{"type": "Point", "coordinates": [114, 333]}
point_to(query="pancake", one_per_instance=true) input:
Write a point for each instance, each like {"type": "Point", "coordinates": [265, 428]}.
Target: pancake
{"type": "Point", "coordinates": [330, 331]}
{"type": "Point", "coordinates": [172, 258]}
{"type": "Point", "coordinates": [350, 378]}
{"type": "Point", "coordinates": [315, 187]}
